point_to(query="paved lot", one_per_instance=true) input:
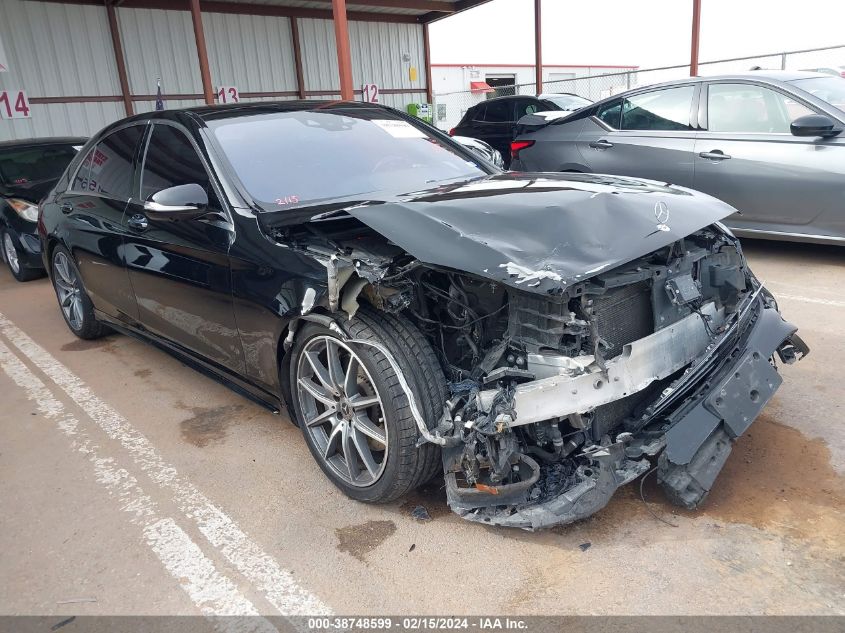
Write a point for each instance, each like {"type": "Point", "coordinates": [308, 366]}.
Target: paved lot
{"type": "Point", "coordinates": [131, 484]}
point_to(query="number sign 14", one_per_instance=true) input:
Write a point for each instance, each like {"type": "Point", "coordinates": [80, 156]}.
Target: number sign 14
{"type": "Point", "coordinates": [14, 104]}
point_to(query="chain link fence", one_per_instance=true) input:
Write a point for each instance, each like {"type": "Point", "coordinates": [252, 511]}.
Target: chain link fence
{"type": "Point", "coordinates": [449, 108]}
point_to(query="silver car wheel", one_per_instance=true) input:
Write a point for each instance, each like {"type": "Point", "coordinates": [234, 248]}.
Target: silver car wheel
{"type": "Point", "coordinates": [68, 289]}
{"type": "Point", "coordinates": [342, 411]}
{"type": "Point", "coordinates": [11, 253]}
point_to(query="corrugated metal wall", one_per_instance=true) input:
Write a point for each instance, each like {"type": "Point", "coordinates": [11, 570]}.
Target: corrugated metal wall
{"type": "Point", "coordinates": [59, 50]}
{"type": "Point", "coordinates": [254, 53]}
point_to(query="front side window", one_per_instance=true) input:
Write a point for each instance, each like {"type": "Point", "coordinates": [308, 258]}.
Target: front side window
{"type": "Point", "coordinates": [111, 163]}
{"type": "Point", "coordinates": [289, 158]}
{"type": "Point", "coordinates": [528, 106]}
{"type": "Point", "coordinates": [750, 109]}
{"type": "Point", "coordinates": [610, 113]}
{"type": "Point", "coordinates": [171, 160]}
{"type": "Point", "coordinates": [661, 110]}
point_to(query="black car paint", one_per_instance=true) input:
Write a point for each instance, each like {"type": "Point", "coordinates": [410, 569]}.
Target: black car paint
{"type": "Point", "coordinates": [24, 233]}
{"type": "Point", "coordinates": [498, 134]}
{"type": "Point", "coordinates": [221, 292]}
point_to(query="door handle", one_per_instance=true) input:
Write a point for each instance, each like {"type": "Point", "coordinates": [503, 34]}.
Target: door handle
{"type": "Point", "coordinates": [138, 222]}
{"type": "Point", "coordinates": [66, 207]}
{"type": "Point", "coordinates": [716, 155]}
{"type": "Point", "coordinates": [601, 144]}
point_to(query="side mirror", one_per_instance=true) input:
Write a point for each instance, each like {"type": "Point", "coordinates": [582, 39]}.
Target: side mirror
{"type": "Point", "coordinates": [814, 125]}
{"type": "Point", "coordinates": [183, 202]}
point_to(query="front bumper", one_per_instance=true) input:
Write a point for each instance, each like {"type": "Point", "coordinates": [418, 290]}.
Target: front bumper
{"type": "Point", "coordinates": [26, 242]}
{"type": "Point", "coordinates": [715, 401]}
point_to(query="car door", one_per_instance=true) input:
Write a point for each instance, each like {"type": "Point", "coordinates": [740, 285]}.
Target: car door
{"type": "Point", "coordinates": [497, 126]}
{"type": "Point", "coordinates": [179, 268]}
{"type": "Point", "coordinates": [649, 134]}
{"type": "Point", "coordinates": [748, 157]}
{"type": "Point", "coordinates": [93, 229]}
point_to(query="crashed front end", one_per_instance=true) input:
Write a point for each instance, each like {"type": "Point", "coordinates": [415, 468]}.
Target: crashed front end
{"type": "Point", "coordinates": [563, 388]}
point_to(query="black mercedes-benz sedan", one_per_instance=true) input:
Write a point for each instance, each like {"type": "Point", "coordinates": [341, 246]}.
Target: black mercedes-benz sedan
{"type": "Point", "coordinates": [539, 338]}
{"type": "Point", "coordinates": [29, 168]}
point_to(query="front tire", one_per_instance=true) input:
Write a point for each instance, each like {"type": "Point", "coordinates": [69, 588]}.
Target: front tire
{"type": "Point", "coordinates": [353, 412]}
{"type": "Point", "coordinates": [75, 304]}
{"type": "Point", "coordinates": [13, 259]}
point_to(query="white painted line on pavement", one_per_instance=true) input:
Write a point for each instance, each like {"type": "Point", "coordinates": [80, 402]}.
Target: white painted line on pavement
{"type": "Point", "coordinates": [824, 302]}
{"type": "Point", "coordinates": [212, 593]}
{"type": "Point", "coordinates": [277, 584]}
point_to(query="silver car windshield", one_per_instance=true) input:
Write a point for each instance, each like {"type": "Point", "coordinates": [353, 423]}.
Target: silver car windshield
{"type": "Point", "coordinates": [830, 89]}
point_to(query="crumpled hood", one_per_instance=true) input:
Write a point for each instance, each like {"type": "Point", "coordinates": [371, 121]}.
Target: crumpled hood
{"type": "Point", "coordinates": [540, 232]}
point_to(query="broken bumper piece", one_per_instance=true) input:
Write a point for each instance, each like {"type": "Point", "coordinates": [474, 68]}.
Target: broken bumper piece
{"type": "Point", "coordinates": [713, 403]}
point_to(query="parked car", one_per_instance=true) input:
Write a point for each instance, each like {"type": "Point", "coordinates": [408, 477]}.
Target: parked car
{"type": "Point", "coordinates": [566, 101]}
{"type": "Point", "coordinates": [482, 149]}
{"type": "Point", "coordinates": [493, 121]}
{"type": "Point", "coordinates": [836, 71]}
{"type": "Point", "coordinates": [767, 143]}
{"type": "Point", "coordinates": [28, 169]}
{"type": "Point", "coordinates": [537, 337]}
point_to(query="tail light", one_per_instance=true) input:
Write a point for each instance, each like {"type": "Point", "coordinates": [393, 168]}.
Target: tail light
{"type": "Point", "coordinates": [452, 132]}
{"type": "Point", "coordinates": [842, 73]}
{"type": "Point", "coordinates": [517, 146]}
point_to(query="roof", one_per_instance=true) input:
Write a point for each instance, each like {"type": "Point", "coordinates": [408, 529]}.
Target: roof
{"type": "Point", "coordinates": [47, 140]}
{"type": "Point", "coordinates": [420, 11]}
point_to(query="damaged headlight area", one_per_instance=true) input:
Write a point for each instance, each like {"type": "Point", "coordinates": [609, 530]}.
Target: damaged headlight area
{"type": "Point", "coordinates": [559, 397]}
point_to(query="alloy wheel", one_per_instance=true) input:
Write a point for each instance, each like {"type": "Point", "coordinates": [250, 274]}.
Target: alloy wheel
{"type": "Point", "coordinates": [11, 253]}
{"type": "Point", "coordinates": [342, 410]}
{"type": "Point", "coordinates": [68, 289]}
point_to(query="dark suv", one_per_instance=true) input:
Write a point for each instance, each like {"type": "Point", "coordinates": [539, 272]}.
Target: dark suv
{"type": "Point", "coordinates": [494, 120]}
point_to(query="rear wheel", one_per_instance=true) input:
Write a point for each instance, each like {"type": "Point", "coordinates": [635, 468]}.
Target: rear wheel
{"type": "Point", "coordinates": [76, 306]}
{"type": "Point", "coordinates": [13, 260]}
{"type": "Point", "coordinates": [353, 412]}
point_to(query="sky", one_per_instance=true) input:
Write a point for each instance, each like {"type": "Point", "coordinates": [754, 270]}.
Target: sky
{"type": "Point", "coordinates": [644, 33]}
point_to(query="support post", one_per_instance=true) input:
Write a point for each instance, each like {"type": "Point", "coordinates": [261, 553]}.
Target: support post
{"type": "Point", "coordinates": [344, 57]}
{"type": "Point", "coordinates": [297, 57]}
{"type": "Point", "coordinates": [538, 46]}
{"type": "Point", "coordinates": [429, 89]}
{"type": "Point", "coordinates": [696, 34]}
{"type": "Point", "coordinates": [120, 60]}
{"type": "Point", "coordinates": [202, 52]}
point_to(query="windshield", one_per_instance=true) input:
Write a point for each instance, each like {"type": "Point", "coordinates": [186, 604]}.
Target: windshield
{"type": "Point", "coordinates": [25, 165]}
{"type": "Point", "coordinates": [568, 102]}
{"type": "Point", "coordinates": [830, 89]}
{"type": "Point", "coordinates": [288, 158]}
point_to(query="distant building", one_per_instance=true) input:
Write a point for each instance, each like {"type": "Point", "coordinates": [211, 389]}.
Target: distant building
{"type": "Point", "coordinates": [458, 87]}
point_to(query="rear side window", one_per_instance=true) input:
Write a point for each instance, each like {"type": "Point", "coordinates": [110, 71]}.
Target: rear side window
{"type": "Point", "coordinates": [663, 110]}
{"type": "Point", "coordinates": [499, 112]}
{"type": "Point", "coordinates": [477, 113]}
{"type": "Point", "coordinates": [171, 160]}
{"type": "Point", "coordinates": [610, 113]}
{"type": "Point", "coordinates": [81, 180]}
{"type": "Point", "coordinates": [111, 163]}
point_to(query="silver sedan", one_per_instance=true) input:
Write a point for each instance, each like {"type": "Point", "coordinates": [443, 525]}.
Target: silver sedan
{"type": "Point", "coordinates": [769, 143]}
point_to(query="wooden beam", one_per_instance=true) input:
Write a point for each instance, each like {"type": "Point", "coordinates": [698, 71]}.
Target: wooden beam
{"type": "Point", "coordinates": [441, 6]}
{"type": "Point", "coordinates": [120, 60]}
{"type": "Point", "coordinates": [344, 56]}
{"type": "Point", "coordinates": [202, 52]}
{"type": "Point", "coordinates": [538, 46]}
{"type": "Point", "coordinates": [429, 89]}
{"type": "Point", "coordinates": [696, 35]}
{"type": "Point", "coordinates": [460, 5]}
{"type": "Point", "coordinates": [297, 58]}
{"type": "Point", "coordinates": [270, 10]}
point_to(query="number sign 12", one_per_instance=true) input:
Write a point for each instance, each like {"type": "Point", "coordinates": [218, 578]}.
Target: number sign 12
{"type": "Point", "coordinates": [228, 94]}
{"type": "Point", "coordinates": [369, 93]}
{"type": "Point", "coordinates": [14, 105]}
